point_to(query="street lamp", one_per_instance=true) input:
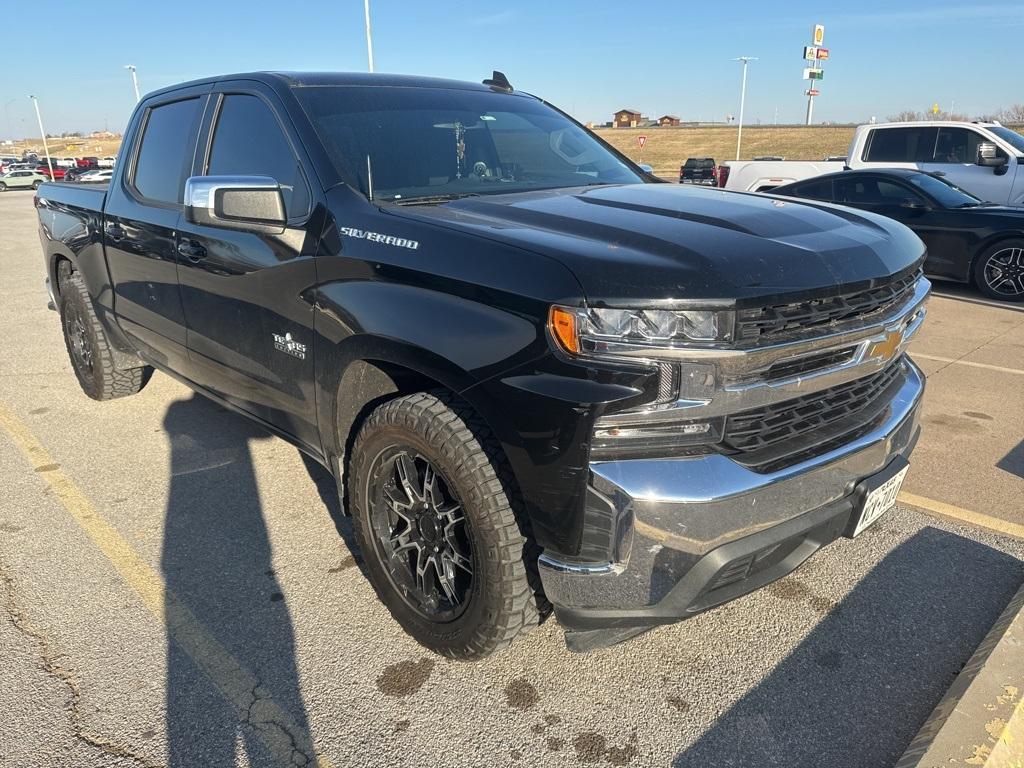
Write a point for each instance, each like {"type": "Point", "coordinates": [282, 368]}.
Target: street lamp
{"type": "Point", "coordinates": [743, 96]}
{"type": "Point", "coordinates": [369, 36]}
{"type": "Point", "coordinates": [46, 148]}
{"type": "Point", "coordinates": [135, 80]}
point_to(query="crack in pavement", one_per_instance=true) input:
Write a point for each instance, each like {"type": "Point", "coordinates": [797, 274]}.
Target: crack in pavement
{"type": "Point", "coordinates": [299, 756]}
{"type": "Point", "coordinates": [48, 663]}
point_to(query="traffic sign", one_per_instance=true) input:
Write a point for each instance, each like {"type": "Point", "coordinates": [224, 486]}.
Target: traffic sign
{"type": "Point", "coordinates": [822, 53]}
{"type": "Point", "coordinates": [814, 74]}
{"type": "Point", "coordinates": [818, 38]}
{"type": "Point", "coordinates": [811, 92]}
{"type": "Point", "coordinates": [641, 140]}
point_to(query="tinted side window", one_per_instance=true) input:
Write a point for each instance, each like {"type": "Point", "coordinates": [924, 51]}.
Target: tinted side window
{"type": "Point", "coordinates": [874, 192]}
{"type": "Point", "coordinates": [248, 141]}
{"type": "Point", "coordinates": [815, 190]}
{"type": "Point", "coordinates": [956, 145]}
{"type": "Point", "coordinates": [900, 145]}
{"type": "Point", "coordinates": [166, 151]}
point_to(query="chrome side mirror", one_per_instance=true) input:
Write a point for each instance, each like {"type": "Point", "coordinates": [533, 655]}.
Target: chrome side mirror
{"type": "Point", "coordinates": [990, 156]}
{"type": "Point", "coordinates": [247, 203]}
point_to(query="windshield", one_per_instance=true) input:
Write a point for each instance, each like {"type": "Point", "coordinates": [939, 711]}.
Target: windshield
{"type": "Point", "coordinates": [946, 194]}
{"type": "Point", "coordinates": [1012, 138]}
{"type": "Point", "coordinates": [413, 143]}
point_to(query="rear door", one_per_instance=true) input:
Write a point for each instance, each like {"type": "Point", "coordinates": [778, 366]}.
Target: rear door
{"type": "Point", "coordinates": [247, 296]}
{"type": "Point", "coordinates": [898, 147]}
{"type": "Point", "coordinates": [140, 219]}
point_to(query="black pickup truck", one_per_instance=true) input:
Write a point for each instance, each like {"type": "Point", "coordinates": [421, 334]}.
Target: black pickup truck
{"type": "Point", "coordinates": [540, 377]}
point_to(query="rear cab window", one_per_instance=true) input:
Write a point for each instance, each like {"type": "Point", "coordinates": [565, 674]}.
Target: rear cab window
{"type": "Point", "coordinates": [165, 151]}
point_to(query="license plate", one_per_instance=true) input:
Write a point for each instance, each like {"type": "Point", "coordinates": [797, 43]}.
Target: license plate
{"type": "Point", "coordinates": [879, 500]}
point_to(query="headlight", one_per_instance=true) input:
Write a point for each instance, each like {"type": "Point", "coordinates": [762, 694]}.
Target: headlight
{"type": "Point", "coordinates": [638, 332]}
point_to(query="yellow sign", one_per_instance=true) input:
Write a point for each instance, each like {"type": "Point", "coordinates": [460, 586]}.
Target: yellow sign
{"type": "Point", "coordinates": [819, 34]}
{"type": "Point", "coordinates": [935, 108]}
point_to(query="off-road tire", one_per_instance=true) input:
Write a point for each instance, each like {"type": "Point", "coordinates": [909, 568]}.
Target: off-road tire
{"type": "Point", "coordinates": [1015, 247]}
{"type": "Point", "coordinates": [101, 380]}
{"type": "Point", "coordinates": [502, 603]}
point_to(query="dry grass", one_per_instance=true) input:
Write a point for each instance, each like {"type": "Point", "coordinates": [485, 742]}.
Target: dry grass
{"type": "Point", "coordinates": [667, 148]}
{"type": "Point", "coordinates": [66, 147]}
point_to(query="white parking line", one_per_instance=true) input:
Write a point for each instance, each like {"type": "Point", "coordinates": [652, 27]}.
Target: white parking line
{"type": "Point", "coordinates": [963, 515]}
{"type": "Point", "coordinates": [970, 363]}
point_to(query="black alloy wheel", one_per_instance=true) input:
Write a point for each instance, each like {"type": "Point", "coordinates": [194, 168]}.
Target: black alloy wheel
{"type": "Point", "coordinates": [421, 531]}
{"type": "Point", "coordinates": [78, 340]}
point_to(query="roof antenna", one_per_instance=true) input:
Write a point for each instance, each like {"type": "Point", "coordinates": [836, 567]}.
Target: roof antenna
{"type": "Point", "coordinates": [498, 81]}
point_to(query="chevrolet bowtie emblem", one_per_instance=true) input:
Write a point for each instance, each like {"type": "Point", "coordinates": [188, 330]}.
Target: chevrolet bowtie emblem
{"type": "Point", "coordinates": [886, 348]}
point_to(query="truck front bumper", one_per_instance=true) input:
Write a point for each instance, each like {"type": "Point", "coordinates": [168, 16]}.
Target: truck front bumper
{"type": "Point", "coordinates": [692, 533]}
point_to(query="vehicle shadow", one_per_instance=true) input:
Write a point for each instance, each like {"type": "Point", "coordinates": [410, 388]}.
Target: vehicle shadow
{"type": "Point", "coordinates": [217, 562]}
{"type": "Point", "coordinates": [858, 688]}
{"type": "Point", "coordinates": [1013, 462]}
{"type": "Point", "coordinates": [970, 294]}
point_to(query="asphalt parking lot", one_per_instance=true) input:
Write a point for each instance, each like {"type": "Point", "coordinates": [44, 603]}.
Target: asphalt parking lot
{"type": "Point", "coordinates": [179, 588]}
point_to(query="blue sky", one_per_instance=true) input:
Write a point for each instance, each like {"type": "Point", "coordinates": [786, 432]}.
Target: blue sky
{"type": "Point", "coordinates": [590, 57]}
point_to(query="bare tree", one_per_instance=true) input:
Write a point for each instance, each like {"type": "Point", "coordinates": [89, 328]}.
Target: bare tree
{"type": "Point", "coordinates": [906, 116]}
{"type": "Point", "coordinates": [1014, 114]}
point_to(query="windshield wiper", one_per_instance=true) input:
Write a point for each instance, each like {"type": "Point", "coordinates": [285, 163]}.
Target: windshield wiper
{"type": "Point", "coordinates": [431, 199]}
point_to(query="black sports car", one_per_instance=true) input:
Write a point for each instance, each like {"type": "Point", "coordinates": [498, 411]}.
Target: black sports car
{"type": "Point", "coordinates": [967, 239]}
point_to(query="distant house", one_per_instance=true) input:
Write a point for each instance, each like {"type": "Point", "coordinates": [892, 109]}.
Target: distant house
{"type": "Point", "coordinates": [668, 121]}
{"type": "Point", "coordinates": [627, 118]}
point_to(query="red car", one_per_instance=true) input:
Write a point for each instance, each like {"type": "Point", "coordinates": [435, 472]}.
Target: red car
{"type": "Point", "coordinates": [58, 172]}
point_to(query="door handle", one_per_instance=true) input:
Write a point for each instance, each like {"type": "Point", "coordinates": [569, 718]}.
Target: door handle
{"type": "Point", "coordinates": [115, 232]}
{"type": "Point", "coordinates": [192, 250]}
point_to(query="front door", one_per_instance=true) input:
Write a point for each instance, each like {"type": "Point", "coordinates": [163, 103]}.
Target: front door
{"type": "Point", "coordinates": [246, 296]}
{"type": "Point", "coordinates": [955, 159]}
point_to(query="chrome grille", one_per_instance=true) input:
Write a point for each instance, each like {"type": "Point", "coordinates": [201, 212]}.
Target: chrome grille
{"type": "Point", "coordinates": [765, 324]}
{"type": "Point", "coordinates": [776, 435]}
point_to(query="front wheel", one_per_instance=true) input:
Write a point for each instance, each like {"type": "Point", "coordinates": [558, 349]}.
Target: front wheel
{"type": "Point", "coordinates": [37, 184]}
{"type": "Point", "coordinates": [999, 271]}
{"type": "Point", "coordinates": [3, 187]}
{"type": "Point", "coordinates": [442, 546]}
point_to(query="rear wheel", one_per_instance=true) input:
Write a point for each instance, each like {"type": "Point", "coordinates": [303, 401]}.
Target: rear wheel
{"type": "Point", "coordinates": [999, 271]}
{"type": "Point", "coordinates": [89, 348]}
{"type": "Point", "coordinates": [36, 184]}
{"type": "Point", "coordinates": [433, 519]}
{"type": "Point", "coordinates": [3, 187]}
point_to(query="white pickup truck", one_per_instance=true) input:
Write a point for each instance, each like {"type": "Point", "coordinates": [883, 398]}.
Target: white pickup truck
{"type": "Point", "coordinates": [984, 158]}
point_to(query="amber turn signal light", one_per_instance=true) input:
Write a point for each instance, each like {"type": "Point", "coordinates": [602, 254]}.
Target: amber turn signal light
{"type": "Point", "coordinates": [563, 327]}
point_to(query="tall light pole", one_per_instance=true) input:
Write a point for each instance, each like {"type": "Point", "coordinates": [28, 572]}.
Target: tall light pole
{"type": "Point", "coordinates": [42, 132]}
{"type": "Point", "coordinates": [135, 80]}
{"type": "Point", "coordinates": [369, 35]}
{"type": "Point", "coordinates": [743, 97]}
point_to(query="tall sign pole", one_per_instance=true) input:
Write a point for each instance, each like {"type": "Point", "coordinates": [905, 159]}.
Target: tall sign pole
{"type": "Point", "coordinates": [814, 54]}
{"type": "Point", "coordinates": [743, 98]}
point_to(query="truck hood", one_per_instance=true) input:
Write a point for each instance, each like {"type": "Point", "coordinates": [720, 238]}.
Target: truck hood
{"type": "Point", "coordinates": [647, 242]}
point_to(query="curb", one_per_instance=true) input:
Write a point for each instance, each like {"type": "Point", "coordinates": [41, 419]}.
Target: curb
{"type": "Point", "coordinates": [980, 719]}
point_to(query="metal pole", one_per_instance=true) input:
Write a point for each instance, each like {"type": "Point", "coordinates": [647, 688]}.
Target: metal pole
{"type": "Point", "coordinates": [743, 97]}
{"type": "Point", "coordinates": [369, 35]}
{"type": "Point", "coordinates": [810, 102]}
{"type": "Point", "coordinates": [42, 132]}
{"type": "Point", "coordinates": [135, 80]}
